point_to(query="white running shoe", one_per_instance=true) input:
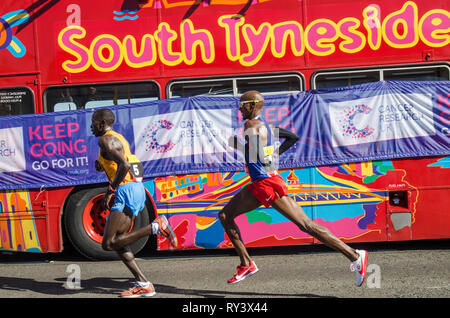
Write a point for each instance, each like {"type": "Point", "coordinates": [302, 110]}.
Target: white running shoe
{"type": "Point", "coordinates": [359, 267]}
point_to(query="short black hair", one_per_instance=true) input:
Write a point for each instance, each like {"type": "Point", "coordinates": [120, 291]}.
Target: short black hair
{"type": "Point", "coordinates": [105, 114]}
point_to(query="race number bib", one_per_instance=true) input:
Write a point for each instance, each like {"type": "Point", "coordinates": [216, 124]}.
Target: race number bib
{"type": "Point", "coordinates": [136, 169]}
{"type": "Point", "coordinates": [268, 150]}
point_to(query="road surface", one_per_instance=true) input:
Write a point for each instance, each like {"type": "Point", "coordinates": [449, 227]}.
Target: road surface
{"type": "Point", "coordinates": [396, 270]}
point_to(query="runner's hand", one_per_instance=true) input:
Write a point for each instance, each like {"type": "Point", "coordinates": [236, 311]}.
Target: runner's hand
{"type": "Point", "coordinates": [106, 202]}
{"type": "Point", "coordinates": [98, 166]}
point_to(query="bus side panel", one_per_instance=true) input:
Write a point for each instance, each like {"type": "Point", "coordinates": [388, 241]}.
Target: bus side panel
{"type": "Point", "coordinates": [346, 199]}
{"type": "Point", "coordinates": [30, 221]}
{"type": "Point", "coordinates": [355, 201]}
{"type": "Point", "coordinates": [350, 200]}
{"type": "Point", "coordinates": [432, 218]}
{"type": "Point", "coordinates": [23, 221]}
{"type": "Point", "coordinates": [431, 212]}
{"type": "Point", "coordinates": [55, 204]}
{"type": "Point", "coordinates": [192, 203]}
{"type": "Point", "coordinates": [17, 44]}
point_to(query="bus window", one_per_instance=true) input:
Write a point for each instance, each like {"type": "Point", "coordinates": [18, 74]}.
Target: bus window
{"type": "Point", "coordinates": [205, 88]}
{"type": "Point", "coordinates": [16, 101]}
{"type": "Point", "coordinates": [98, 95]}
{"type": "Point", "coordinates": [270, 85]}
{"type": "Point", "coordinates": [234, 86]}
{"type": "Point", "coordinates": [341, 79]}
{"type": "Point", "coordinates": [440, 73]}
{"type": "Point", "coordinates": [62, 106]}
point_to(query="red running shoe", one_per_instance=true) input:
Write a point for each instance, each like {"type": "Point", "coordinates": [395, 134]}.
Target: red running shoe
{"type": "Point", "coordinates": [139, 291]}
{"type": "Point", "coordinates": [243, 272]}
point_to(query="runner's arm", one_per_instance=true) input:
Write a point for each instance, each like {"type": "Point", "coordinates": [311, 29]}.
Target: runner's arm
{"type": "Point", "coordinates": [113, 150]}
{"type": "Point", "coordinates": [290, 139]}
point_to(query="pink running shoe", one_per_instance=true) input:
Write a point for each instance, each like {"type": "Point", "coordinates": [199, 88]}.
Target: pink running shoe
{"type": "Point", "coordinates": [243, 272]}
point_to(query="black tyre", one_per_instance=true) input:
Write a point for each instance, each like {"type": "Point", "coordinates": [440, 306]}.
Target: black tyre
{"type": "Point", "coordinates": [85, 222]}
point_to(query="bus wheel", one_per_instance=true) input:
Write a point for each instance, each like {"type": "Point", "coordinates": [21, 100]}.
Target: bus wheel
{"type": "Point", "coordinates": [85, 223]}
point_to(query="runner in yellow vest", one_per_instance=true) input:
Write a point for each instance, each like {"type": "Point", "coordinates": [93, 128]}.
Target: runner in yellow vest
{"type": "Point", "coordinates": [124, 172]}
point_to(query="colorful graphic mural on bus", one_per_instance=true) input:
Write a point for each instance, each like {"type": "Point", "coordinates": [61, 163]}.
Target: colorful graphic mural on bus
{"type": "Point", "coordinates": [7, 39]}
{"type": "Point", "coordinates": [355, 194]}
{"type": "Point", "coordinates": [17, 224]}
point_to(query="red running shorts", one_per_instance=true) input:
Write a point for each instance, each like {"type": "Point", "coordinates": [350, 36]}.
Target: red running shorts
{"type": "Point", "coordinates": [268, 190]}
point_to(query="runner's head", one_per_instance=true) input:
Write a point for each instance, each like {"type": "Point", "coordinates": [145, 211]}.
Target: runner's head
{"type": "Point", "coordinates": [102, 121]}
{"type": "Point", "coordinates": [251, 104]}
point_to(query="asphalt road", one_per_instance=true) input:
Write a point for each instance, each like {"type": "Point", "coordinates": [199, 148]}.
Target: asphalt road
{"type": "Point", "coordinates": [396, 270]}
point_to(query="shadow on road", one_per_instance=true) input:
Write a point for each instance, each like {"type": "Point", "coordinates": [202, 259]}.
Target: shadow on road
{"type": "Point", "coordinates": [223, 293]}
{"type": "Point", "coordinates": [98, 285]}
{"type": "Point", "coordinates": [114, 286]}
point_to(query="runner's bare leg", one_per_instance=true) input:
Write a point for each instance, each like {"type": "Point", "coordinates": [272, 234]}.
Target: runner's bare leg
{"type": "Point", "coordinates": [292, 211]}
{"type": "Point", "coordinates": [242, 202]}
{"type": "Point", "coordinates": [119, 223]}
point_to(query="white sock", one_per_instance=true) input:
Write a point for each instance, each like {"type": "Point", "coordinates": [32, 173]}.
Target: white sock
{"type": "Point", "coordinates": [143, 284]}
{"type": "Point", "coordinates": [155, 228]}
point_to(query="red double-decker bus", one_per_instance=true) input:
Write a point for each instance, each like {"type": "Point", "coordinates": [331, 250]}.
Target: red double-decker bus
{"type": "Point", "coordinates": [61, 55]}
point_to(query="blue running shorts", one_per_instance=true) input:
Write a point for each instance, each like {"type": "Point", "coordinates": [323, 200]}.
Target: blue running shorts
{"type": "Point", "coordinates": [132, 195]}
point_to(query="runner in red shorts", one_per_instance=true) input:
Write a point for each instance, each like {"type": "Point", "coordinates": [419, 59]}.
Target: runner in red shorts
{"type": "Point", "coordinates": [268, 189]}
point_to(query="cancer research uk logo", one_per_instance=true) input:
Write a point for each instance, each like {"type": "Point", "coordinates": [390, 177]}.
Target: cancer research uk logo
{"type": "Point", "coordinates": [12, 157]}
{"type": "Point", "coordinates": [348, 125]}
{"type": "Point", "coordinates": [188, 133]}
{"type": "Point", "coordinates": [381, 118]}
{"type": "Point", "coordinates": [150, 136]}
